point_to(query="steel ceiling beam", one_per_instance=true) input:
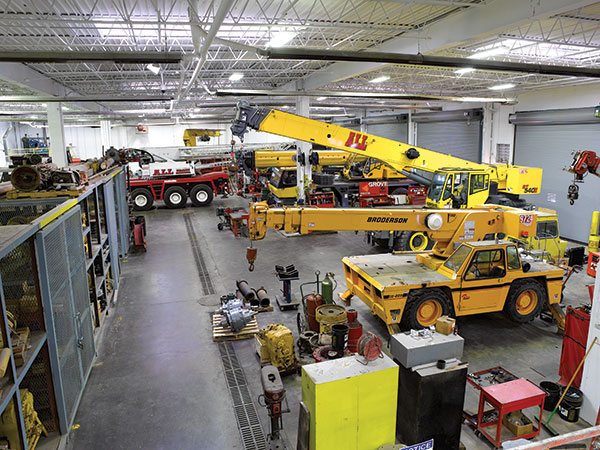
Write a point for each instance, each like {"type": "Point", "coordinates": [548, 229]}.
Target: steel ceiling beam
{"type": "Point", "coordinates": [356, 94]}
{"type": "Point", "coordinates": [493, 18]}
{"type": "Point", "coordinates": [98, 56]}
{"type": "Point", "coordinates": [84, 99]}
{"type": "Point", "coordinates": [306, 54]}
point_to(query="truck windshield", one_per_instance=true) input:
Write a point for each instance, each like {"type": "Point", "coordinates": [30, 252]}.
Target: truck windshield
{"type": "Point", "coordinates": [457, 258]}
{"type": "Point", "coordinates": [437, 187]}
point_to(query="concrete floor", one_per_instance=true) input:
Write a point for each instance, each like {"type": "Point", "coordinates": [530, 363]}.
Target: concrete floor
{"type": "Point", "coordinates": [158, 381]}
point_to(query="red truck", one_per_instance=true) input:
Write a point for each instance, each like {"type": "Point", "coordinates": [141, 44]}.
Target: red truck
{"type": "Point", "coordinates": [153, 178]}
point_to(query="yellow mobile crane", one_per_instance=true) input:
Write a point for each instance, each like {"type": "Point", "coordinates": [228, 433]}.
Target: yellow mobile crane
{"type": "Point", "coordinates": [453, 182]}
{"type": "Point", "coordinates": [470, 270]}
{"type": "Point", "coordinates": [190, 135]}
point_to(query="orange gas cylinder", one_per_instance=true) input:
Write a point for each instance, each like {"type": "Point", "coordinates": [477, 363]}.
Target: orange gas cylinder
{"type": "Point", "coordinates": [312, 301]}
{"type": "Point", "coordinates": [355, 330]}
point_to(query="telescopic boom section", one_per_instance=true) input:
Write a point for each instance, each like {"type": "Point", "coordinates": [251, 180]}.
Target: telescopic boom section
{"type": "Point", "coordinates": [446, 227]}
{"type": "Point", "coordinates": [397, 155]}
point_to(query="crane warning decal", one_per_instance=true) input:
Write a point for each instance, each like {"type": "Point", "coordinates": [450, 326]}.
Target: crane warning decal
{"type": "Point", "coordinates": [356, 140]}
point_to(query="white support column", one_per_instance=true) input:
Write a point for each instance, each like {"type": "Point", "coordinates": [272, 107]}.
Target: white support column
{"type": "Point", "coordinates": [364, 127]}
{"type": "Point", "coordinates": [487, 134]}
{"type": "Point", "coordinates": [412, 135]}
{"type": "Point", "coordinates": [105, 135]}
{"type": "Point", "coordinates": [56, 133]}
{"type": "Point", "coordinates": [303, 173]}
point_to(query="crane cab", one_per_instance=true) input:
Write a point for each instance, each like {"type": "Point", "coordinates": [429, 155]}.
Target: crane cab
{"type": "Point", "coordinates": [458, 188]}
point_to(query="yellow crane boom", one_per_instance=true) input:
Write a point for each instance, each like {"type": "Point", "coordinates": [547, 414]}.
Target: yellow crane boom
{"type": "Point", "coordinates": [447, 227]}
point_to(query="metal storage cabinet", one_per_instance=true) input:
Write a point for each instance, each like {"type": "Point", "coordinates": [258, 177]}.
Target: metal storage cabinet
{"type": "Point", "coordinates": [64, 288]}
{"type": "Point", "coordinates": [20, 296]}
{"type": "Point", "coordinates": [351, 405]}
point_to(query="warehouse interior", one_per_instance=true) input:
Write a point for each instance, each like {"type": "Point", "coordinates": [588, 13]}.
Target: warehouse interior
{"type": "Point", "coordinates": [299, 224]}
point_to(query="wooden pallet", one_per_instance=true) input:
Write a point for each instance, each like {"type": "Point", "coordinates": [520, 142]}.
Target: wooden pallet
{"type": "Point", "coordinates": [260, 309]}
{"type": "Point", "coordinates": [221, 333]}
{"type": "Point", "coordinates": [15, 194]}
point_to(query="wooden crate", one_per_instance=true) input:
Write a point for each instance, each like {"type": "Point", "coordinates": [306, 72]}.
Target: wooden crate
{"type": "Point", "coordinates": [224, 333]}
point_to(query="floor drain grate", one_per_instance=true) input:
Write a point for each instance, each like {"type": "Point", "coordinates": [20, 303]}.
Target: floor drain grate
{"type": "Point", "coordinates": [248, 422]}
{"type": "Point", "coordinates": [207, 285]}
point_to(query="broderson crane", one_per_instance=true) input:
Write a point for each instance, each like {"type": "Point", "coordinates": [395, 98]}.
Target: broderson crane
{"type": "Point", "coordinates": [453, 182]}
{"type": "Point", "coordinates": [470, 270]}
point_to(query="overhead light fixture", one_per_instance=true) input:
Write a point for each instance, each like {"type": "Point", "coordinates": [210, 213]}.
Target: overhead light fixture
{"type": "Point", "coordinates": [281, 38]}
{"type": "Point", "coordinates": [320, 99]}
{"type": "Point", "coordinates": [485, 99]}
{"type": "Point", "coordinates": [490, 52]}
{"type": "Point", "coordinates": [154, 69]}
{"type": "Point", "coordinates": [502, 87]}
{"type": "Point", "coordinates": [236, 76]}
{"type": "Point", "coordinates": [464, 70]}
{"type": "Point", "coordinates": [44, 105]}
{"type": "Point", "coordinates": [285, 107]}
{"type": "Point", "coordinates": [380, 79]}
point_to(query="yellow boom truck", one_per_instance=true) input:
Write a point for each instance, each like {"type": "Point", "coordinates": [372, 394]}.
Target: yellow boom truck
{"type": "Point", "coordinates": [467, 271]}
{"type": "Point", "coordinates": [453, 182]}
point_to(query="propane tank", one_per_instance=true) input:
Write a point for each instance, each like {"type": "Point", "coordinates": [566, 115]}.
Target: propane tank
{"type": "Point", "coordinates": [328, 285]}
{"type": "Point", "coordinates": [312, 302]}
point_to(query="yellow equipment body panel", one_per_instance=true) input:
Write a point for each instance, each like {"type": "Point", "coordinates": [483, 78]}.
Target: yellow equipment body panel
{"type": "Point", "coordinates": [521, 180]}
{"type": "Point", "coordinates": [352, 406]}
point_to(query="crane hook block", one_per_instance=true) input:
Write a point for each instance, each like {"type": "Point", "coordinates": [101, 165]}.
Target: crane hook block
{"type": "Point", "coordinates": [251, 257]}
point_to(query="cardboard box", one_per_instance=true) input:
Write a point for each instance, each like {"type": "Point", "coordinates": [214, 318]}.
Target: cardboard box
{"type": "Point", "coordinates": [518, 423]}
{"type": "Point", "coordinates": [445, 325]}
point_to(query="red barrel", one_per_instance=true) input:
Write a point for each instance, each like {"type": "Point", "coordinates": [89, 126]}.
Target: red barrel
{"type": "Point", "coordinates": [352, 315]}
{"type": "Point", "coordinates": [354, 335]}
{"type": "Point", "coordinates": [312, 301]}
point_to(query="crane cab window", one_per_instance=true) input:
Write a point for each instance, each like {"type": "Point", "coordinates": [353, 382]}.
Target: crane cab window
{"type": "Point", "coordinates": [547, 229]}
{"type": "Point", "coordinates": [479, 182]}
{"type": "Point", "coordinates": [512, 258]}
{"type": "Point", "coordinates": [486, 264]}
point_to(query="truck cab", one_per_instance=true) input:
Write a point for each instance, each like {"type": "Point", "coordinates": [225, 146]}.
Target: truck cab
{"type": "Point", "coordinates": [458, 188]}
{"type": "Point", "coordinates": [143, 164]}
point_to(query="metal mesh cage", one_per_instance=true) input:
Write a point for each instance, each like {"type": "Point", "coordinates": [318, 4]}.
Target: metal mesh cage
{"type": "Point", "coordinates": [19, 212]}
{"type": "Point", "coordinates": [19, 284]}
{"type": "Point", "coordinates": [39, 382]}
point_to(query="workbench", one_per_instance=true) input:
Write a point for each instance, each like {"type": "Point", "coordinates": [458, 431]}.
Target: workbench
{"type": "Point", "coordinates": [506, 398]}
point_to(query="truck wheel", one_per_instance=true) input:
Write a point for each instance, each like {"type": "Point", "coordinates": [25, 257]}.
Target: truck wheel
{"type": "Point", "coordinates": [175, 197]}
{"type": "Point", "coordinates": [142, 199]}
{"type": "Point", "coordinates": [424, 308]}
{"type": "Point", "coordinates": [413, 241]}
{"type": "Point", "coordinates": [525, 300]}
{"type": "Point", "coordinates": [201, 195]}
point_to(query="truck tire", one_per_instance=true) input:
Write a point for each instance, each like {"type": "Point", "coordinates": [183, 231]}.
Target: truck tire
{"type": "Point", "coordinates": [201, 195]}
{"type": "Point", "coordinates": [525, 300]}
{"type": "Point", "coordinates": [425, 307]}
{"type": "Point", "coordinates": [142, 199]}
{"type": "Point", "coordinates": [175, 197]}
{"type": "Point", "coordinates": [413, 241]}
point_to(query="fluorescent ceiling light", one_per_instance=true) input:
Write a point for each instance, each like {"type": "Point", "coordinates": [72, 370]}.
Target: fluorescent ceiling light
{"type": "Point", "coordinates": [236, 76]}
{"type": "Point", "coordinates": [320, 99]}
{"type": "Point", "coordinates": [502, 87]}
{"type": "Point", "coordinates": [281, 38]}
{"type": "Point", "coordinates": [380, 79]}
{"type": "Point", "coordinates": [464, 70]}
{"type": "Point", "coordinates": [490, 52]}
{"type": "Point", "coordinates": [141, 111]}
{"type": "Point", "coordinates": [44, 105]}
{"type": "Point", "coordinates": [152, 68]}
{"type": "Point", "coordinates": [484, 99]}
{"type": "Point", "coordinates": [285, 107]}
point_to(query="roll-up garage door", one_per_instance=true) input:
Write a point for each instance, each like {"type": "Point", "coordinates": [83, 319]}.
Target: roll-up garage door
{"type": "Point", "coordinates": [454, 132]}
{"type": "Point", "coordinates": [397, 131]}
{"type": "Point", "coordinates": [546, 139]}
